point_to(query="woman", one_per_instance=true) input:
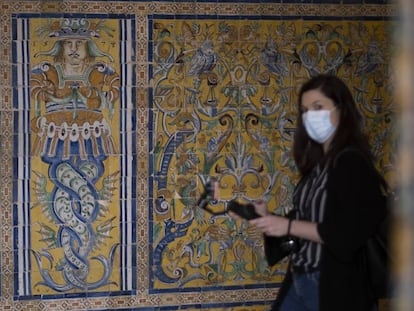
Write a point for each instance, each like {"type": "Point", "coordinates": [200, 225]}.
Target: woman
{"type": "Point", "coordinates": [339, 203]}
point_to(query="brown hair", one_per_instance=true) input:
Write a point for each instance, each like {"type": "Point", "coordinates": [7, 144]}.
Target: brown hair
{"type": "Point", "coordinates": [308, 153]}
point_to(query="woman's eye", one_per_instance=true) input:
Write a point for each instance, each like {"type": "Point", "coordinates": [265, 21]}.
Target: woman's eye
{"type": "Point", "coordinates": [317, 107]}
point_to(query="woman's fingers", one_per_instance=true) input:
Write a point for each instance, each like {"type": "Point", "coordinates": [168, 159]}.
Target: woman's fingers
{"type": "Point", "coordinates": [271, 225]}
{"type": "Point", "coordinates": [260, 206]}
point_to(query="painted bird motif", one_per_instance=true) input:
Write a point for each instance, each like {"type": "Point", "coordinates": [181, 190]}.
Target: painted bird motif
{"type": "Point", "coordinates": [370, 60]}
{"type": "Point", "coordinates": [203, 60]}
{"type": "Point", "coordinates": [272, 59]}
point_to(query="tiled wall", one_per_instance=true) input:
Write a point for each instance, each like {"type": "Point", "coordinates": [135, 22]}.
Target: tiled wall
{"type": "Point", "coordinates": [114, 115]}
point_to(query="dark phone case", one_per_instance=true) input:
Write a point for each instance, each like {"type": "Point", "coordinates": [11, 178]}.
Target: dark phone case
{"type": "Point", "coordinates": [245, 211]}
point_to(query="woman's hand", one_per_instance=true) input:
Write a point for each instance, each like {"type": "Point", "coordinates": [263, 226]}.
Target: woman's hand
{"type": "Point", "coordinates": [278, 226]}
{"type": "Point", "coordinates": [260, 207]}
{"type": "Point", "coordinates": [271, 225]}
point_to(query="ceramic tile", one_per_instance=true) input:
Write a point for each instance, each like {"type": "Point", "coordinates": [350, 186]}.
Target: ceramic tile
{"type": "Point", "coordinates": [103, 159]}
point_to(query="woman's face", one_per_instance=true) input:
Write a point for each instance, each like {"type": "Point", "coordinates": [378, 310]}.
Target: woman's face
{"type": "Point", "coordinates": [315, 100]}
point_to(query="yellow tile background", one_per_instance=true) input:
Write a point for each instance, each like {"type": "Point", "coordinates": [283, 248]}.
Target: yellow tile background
{"type": "Point", "coordinates": [238, 43]}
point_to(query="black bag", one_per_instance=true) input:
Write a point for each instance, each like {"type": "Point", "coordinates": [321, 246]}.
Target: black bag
{"type": "Point", "coordinates": [277, 248]}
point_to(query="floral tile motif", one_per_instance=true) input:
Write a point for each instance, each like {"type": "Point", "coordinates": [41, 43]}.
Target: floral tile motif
{"type": "Point", "coordinates": [224, 106]}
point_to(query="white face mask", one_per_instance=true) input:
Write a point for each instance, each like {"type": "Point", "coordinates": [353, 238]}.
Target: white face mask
{"type": "Point", "coordinates": [318, 125]}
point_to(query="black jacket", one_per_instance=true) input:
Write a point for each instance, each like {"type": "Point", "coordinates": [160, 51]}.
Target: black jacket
{"type": "Point", "coordinates": [355, 207]}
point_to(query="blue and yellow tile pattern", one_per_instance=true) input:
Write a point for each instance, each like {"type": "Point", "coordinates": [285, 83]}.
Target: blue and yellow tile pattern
{"type": "Point", "coordinates": [115, 114]}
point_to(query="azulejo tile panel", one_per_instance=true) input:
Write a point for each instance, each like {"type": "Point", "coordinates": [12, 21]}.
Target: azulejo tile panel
{"type": "Point", "coordinates": [75, 192]}
{"type": "Point", "coordinates": [114, 115]}
{"type": "Point", "coordinates": [224, 95]}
